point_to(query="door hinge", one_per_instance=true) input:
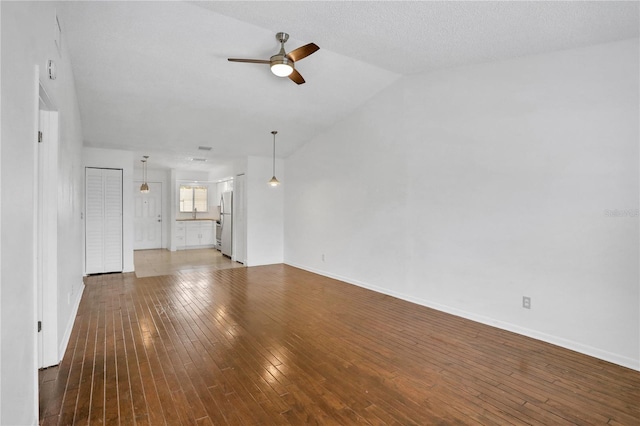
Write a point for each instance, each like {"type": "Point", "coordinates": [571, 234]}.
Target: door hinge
{"type": "Point", "coordinates": [39, 326]}
{"type": "Point", "coordinates": [39, 137]}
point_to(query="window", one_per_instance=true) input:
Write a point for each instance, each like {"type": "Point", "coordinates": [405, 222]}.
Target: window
{"type": "Point", "coordinates": [193, 197]}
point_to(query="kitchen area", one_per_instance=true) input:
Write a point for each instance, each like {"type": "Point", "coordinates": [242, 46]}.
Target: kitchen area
{"type": "Point", "coordinates": [204, 216]}
{"type": "Point", "coordinates": [185, 213]}
{"type": "Point", "coordinates": [200, 229]}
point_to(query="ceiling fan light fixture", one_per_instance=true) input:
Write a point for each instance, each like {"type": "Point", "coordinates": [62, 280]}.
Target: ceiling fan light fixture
{"type": "Point", "coordinates": [281, 65]}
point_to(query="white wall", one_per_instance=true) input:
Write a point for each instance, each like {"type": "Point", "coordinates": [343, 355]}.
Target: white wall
{"type": "Point", "coordinates": [70, 207]}
{"type": "Point", "coordinates": [117, 159]}
{"type": "Point", "coordinates": [27, 41]}
{"type": "Point", "coordinates": [264, 212]}
{"type": "Point", "coordinates": [469, 188]}
{"type": "Point", "coordinates": [1, 139]}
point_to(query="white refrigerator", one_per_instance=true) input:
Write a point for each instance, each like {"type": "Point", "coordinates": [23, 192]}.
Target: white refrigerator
{"type": "Point", "coordinates": [226, 222]}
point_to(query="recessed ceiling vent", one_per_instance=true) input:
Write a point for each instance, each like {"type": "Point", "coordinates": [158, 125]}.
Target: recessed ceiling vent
{"type": "Point", "coordinates": [204, 148]}
{"type": "Point", "coordinates": [199, 159]}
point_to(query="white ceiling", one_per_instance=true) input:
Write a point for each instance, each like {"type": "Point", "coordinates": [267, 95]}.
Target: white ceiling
{"type": "Point", "coordinates": [153, 77]}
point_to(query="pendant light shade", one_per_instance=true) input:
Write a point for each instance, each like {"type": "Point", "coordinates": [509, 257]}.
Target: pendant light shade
{"type": "Point", "coordinates": [144, 188]}
{"type": "Point", "coordinates": [274, 181]}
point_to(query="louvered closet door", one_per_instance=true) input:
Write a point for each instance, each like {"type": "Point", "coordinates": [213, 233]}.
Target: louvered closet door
{"type": "Point", "coordinates": [103, 222]}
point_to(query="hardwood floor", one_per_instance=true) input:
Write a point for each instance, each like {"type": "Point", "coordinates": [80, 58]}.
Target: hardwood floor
{"type": "Point", "coordinates": [278, 345]}
{"type": "Point", "coordinates": [153, 263]}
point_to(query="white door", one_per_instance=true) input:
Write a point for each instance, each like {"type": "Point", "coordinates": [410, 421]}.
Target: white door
{"type": "Point", "coordinates": [147, 217]}
{"type": "Point", "coordinates": [47, 234]}
{"type": "Point", "coordinates": [113, 221]}
{"type": "Point", "coordinates": [103, 222]}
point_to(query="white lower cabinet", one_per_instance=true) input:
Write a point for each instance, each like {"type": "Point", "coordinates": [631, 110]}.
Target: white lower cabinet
{"type": "Point", "coordinates": [207, 233]}
{"type": "Point", "coordinates": [180, 235]}
{"type": "Point", "coordinates": [195, 234]}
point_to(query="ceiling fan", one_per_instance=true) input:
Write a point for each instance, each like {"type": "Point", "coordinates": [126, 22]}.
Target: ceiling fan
{"type": "Point", "coordinates": [282, 63]}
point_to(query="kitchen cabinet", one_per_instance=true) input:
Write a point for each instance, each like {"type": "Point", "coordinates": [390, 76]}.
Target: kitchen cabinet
{"type": "Point", "coordinates": [180, 235]}
{"type": "Point", "coordinates": [195, 234]}
{"type": "Point", "coordinates": [207, 233]}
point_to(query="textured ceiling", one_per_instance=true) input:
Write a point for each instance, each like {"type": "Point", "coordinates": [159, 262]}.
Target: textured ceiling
{"type": "Point", "coordinates": [408, 37]}
{"type": "Point", "coordinates": [152, 77]}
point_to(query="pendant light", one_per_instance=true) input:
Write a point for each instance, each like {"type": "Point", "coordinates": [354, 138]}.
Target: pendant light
{"type": "Point", "coordinates": [144, 188]}
{"type": "Point", "coordinates": [274, 181]}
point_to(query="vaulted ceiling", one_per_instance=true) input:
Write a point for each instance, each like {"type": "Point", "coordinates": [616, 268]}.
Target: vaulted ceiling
{"type": "Point", "coordinates": [153, 77]}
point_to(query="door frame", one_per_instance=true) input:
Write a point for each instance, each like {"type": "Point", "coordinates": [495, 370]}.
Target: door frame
{"type": "Point", "coordinates": [46, 229]}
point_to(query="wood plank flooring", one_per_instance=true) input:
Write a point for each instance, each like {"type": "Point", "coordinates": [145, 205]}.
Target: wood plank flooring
{"type": "Point", "coordinates": [153, 263]}
{"type": "Point", "coordinates": [278, 345]}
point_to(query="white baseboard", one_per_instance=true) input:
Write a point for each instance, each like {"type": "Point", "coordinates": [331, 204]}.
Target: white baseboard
{"type": "Point", "coordinates": [69, 328]}
{"type": "Point", "coordinates": [631, 363]}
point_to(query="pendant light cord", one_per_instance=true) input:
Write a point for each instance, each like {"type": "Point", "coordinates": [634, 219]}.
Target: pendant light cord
{"type": "Point", "coordinates": [274, 151]}
{"type": "Point", "coordinates": [144, 168]}
{"type": "Point", "coordinates": [274, 180]}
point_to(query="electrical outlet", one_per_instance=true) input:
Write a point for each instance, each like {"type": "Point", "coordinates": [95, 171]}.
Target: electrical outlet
{"type": "Point", "coordinates": [526, 302]}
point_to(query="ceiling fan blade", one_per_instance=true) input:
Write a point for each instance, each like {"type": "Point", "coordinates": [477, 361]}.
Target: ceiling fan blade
{"type": "Point", "coordinates": [296, 77]}
{"type": "Point", "coordinates": [302, 52]}
{"type": "Point", "coordinates": [250, 61]}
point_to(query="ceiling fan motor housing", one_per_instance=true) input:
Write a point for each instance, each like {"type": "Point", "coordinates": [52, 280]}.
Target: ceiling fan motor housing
{"type": "Point", "coordinates": [282, 37]}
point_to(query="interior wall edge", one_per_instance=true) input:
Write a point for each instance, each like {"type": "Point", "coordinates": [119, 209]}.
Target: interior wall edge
{"type": "Point", "coordinates": [64, 341]}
